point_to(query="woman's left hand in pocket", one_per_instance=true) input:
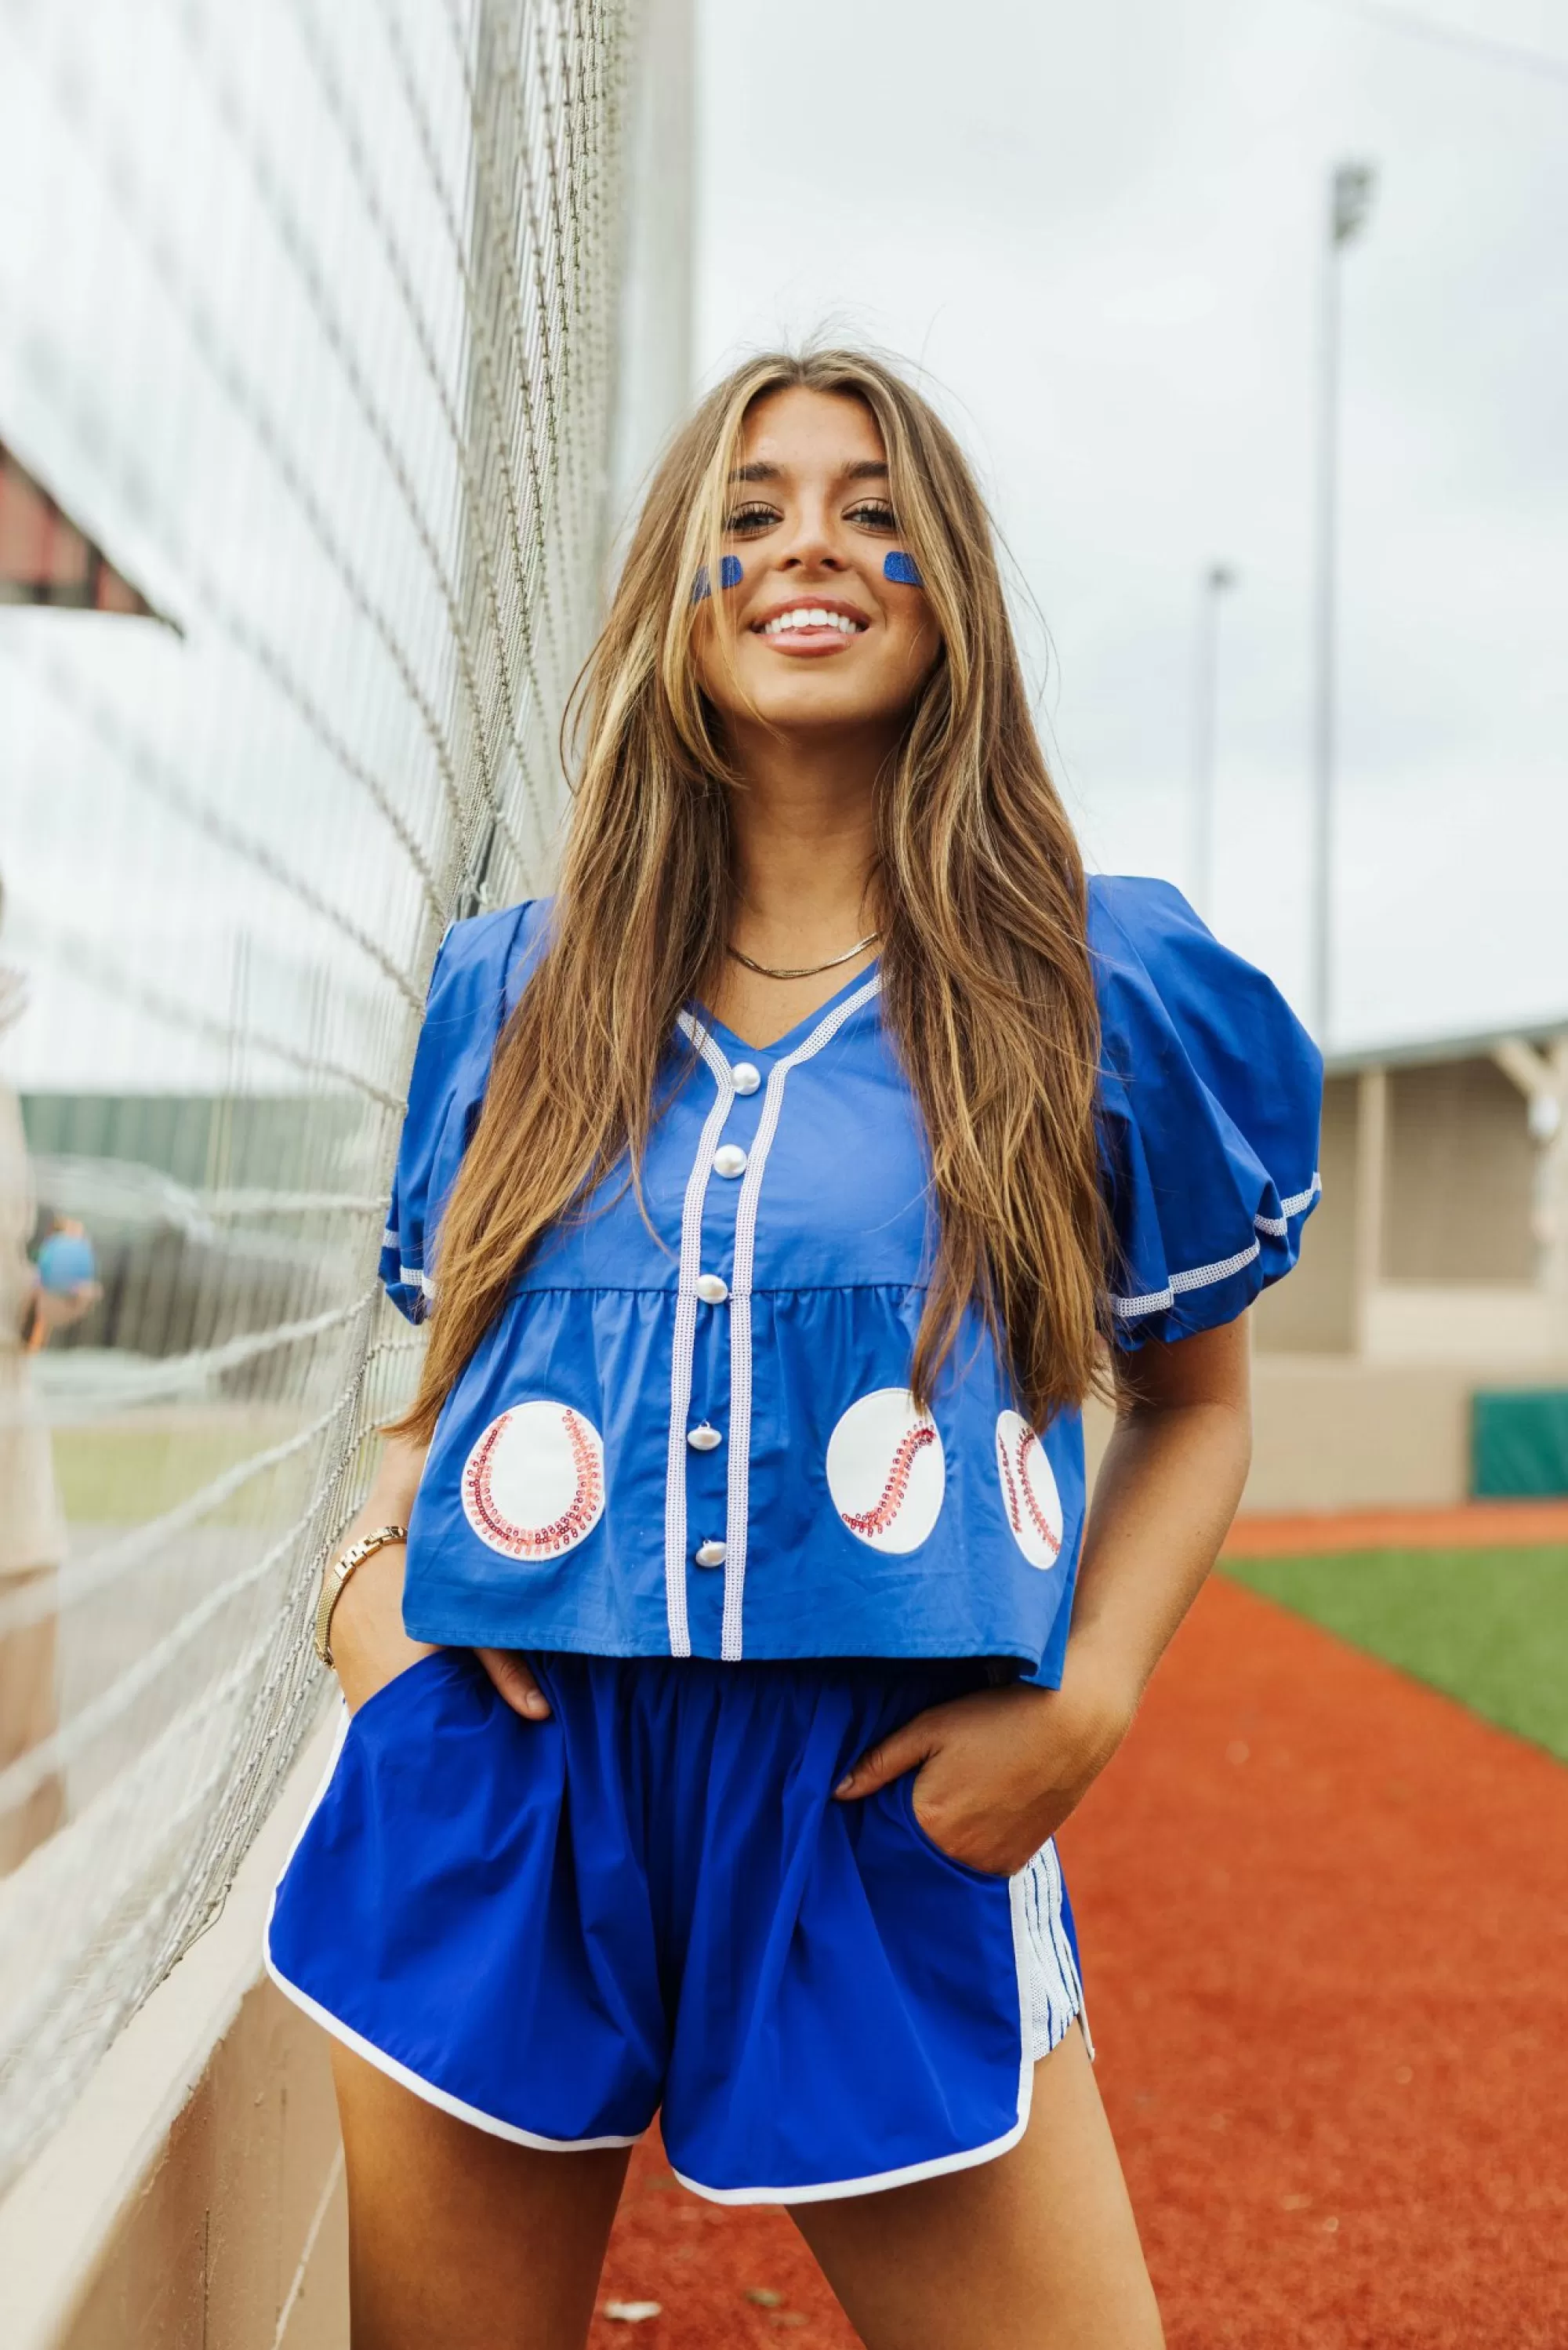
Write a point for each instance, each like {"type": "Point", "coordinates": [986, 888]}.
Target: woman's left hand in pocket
{"type": "Point", "coordinates": [999, 1769]}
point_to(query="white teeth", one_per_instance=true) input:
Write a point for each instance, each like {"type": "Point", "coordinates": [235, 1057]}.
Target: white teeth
{"type": "Point", "coordinates": [810, 615]}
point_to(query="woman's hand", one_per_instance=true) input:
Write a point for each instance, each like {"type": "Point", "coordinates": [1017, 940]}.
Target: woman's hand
{"type": "Point", "coordinates": [515, 1683]}
{"type": "Point", "coordinates": [999, 1769]}
{"type": "Point", "coordinates": [369, 1646]}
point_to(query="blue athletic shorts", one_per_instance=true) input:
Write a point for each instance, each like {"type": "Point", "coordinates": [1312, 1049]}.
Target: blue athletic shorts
{"type": "Point", "coordinates": [651, 1902]}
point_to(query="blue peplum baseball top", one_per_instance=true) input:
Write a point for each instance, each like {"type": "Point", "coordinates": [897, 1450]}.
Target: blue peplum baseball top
{"type": "Point", "coordinates": [697, 1439]}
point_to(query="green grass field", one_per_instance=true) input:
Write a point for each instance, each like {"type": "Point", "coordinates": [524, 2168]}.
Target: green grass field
{"type": "Point", "coordinates": [123, 1475]}
{"type": "Point", "coordinates": [1487, 1626]}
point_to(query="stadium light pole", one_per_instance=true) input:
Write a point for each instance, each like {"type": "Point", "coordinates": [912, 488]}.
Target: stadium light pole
{"type": "Point", "coordinates": [1217, 583]}
{"type": "Point", "coordinates": [1350, 192]}
{"type": "Point", "coordinates": [656, 337]}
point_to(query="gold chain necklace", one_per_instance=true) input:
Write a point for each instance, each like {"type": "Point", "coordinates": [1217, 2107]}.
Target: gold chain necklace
{"type": "Point", "coordinates": [806, 971]}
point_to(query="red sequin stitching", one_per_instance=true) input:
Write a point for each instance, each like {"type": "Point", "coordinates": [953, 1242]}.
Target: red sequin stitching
{"type": "Point", "coordinates": [877, 1520]}
{"type": "Point", "coordinates": [560, 1533]}
{"type": "Point", "coordinates": [1004, 1463]}
{"type": "Point", "coordinates": [1042, 1524]}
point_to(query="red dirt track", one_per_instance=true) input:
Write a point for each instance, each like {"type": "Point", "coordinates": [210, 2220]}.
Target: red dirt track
{"type": "Point", "coordinates": [1468, 1525]}
{"type": "Point", "coordinates": [1325, 1915]}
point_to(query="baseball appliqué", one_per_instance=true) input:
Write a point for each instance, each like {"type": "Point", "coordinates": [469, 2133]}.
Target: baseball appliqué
{"type": "Point", "coordinates": [534, 1485]}
{"type": "Point", "coordinates": [1029, 1492]}
{"type": "Point", "coordinates": [886, 1471]}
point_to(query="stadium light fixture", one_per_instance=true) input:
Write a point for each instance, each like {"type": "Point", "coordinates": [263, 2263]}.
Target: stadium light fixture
{"type": "Point", "coordinates": [1351, 189]}
{"type": "Point", "coordinates": [1216, 583]}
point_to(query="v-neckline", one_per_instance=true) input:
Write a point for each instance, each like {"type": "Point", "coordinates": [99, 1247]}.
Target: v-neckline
{"type": "Point", "coordinates": [802, 1029]}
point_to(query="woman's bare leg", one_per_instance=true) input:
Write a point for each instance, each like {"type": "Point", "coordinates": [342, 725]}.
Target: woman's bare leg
{"type": "Point", "coordinates": [1037, 2250]}
{"type": "Point", "coordinates": [460, 2240]}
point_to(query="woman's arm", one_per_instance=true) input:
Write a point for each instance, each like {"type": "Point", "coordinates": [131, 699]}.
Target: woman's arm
{"type": "Point", "coordinates": [369, 1646]}
{"type": "Point", "coordinates": [1001, 1770]}
{"type": "Point", "coordinates": [1166, 1494]}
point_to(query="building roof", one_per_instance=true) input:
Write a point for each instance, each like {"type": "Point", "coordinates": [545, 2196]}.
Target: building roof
{"type": "Point", "coordinates": [1465, 1044]}
{"type": "Point", "coordinates": [47, 558]}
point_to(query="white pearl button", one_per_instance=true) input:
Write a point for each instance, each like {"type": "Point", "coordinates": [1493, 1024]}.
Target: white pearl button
{"type": "Point", "coordinates": [703, 1439]}
{"type": "Point", "coordinates": [746, 1076]}
{"type": "Point", "coordinates": [729, 1160]}
{"type": "Point", "coordinates": [710, 1553]}
{"type": "Point", "coordinates": [711, 1288]}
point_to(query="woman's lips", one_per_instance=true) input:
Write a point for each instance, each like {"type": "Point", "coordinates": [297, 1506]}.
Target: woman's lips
{"type": "Point", "coordinates": [809, 644]}
{"type": "Point", "coordinates": [812, 627]}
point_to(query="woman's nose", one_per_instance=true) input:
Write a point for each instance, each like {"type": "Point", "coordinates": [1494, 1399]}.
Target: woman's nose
{"type": "Point", "coordinates": [812, 546]}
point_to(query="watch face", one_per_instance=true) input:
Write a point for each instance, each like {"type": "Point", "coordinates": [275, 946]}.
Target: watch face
{"type": "Point", "coordinates": [1029, 1492]}
{"type": "Point", "coordinates": [885, 1471]}
{"type": "Point", "coordinates": [534, 1485]}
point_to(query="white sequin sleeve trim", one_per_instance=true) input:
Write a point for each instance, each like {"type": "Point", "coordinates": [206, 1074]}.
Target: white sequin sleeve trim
{"type": "Point", "coordinates": [1204, 1276]}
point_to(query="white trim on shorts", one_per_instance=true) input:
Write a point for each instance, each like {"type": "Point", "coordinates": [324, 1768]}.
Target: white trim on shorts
{"type": "Point", "coordinates": [432, 2095]}
{"type": "Point", "coordinates": [1050, 2002]}
{"type": "Point", "coordinates": [427, 2089]}
{"type": "Point", "coordinates": [1041, 1950]}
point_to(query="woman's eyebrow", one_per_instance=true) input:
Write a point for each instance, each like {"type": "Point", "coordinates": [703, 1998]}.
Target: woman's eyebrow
{"type": "Point", "coordinates": [865, 469]}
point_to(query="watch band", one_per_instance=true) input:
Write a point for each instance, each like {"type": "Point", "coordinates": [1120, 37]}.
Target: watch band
{"type": "Point", "coordinates": [338, 1574]}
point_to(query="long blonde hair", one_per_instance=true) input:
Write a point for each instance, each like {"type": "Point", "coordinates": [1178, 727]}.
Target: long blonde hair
{"type": "Point", "coordinates": [986, 977]}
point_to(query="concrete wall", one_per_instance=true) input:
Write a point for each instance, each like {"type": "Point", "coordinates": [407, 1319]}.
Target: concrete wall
{"type": "Point", "coordinates": [192, 2199]}
{"type": "Point", "coordinates": [1460, 1188]}
{"type": "Point", "coordinates": [1335, 1434]}
{"type": "Point", "coordinates": [1495, 1332]}
{"type": "Point", "coordinates": [1315, 1311]}
{"type": "Point", "coordinates": [1341, 1436]}
{"type": "Point", "coordinates": [1426, 1249]}
{"type": "Point", "coordinates": [237, 2237]}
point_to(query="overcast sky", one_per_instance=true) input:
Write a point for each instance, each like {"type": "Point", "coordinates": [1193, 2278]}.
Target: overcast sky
{"type": "Point", "coordinates": [1098, 229]}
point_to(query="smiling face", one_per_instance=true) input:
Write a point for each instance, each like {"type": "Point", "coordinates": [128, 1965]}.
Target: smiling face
{"type": "Point", "coordinates": [815, 636]}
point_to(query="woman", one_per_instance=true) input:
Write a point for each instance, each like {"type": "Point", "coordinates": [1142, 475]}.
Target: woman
{"type": "Point", "coordinates": [781, 1180]}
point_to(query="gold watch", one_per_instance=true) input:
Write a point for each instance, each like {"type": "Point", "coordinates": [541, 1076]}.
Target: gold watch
{"type": "Point", "coordinates": [338, 1574]}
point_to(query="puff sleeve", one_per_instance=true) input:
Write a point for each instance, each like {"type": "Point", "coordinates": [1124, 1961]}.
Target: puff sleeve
{"type": "Point", "coordinates": [476, 981]}
{"type": "Point", "coordinates": [1211, 1095]}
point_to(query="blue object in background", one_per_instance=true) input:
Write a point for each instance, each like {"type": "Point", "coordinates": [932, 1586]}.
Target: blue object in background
{"type": "Point", "coordinates": [66, 1261]}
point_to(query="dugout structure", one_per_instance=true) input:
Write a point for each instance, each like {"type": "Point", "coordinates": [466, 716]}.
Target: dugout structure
{"type": "Point", "coordinates": [1435, 1273]}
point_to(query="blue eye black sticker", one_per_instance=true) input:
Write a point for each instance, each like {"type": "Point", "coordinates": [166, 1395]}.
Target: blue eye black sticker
{"type": "Point", "coordinates": [729, 576]}
{"type": "Point", "coordinates": [902, 569]}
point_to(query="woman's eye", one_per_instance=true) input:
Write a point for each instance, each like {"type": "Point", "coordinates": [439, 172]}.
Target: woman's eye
{"type": "Point", "coordinates": [747, 521]}
{"type": "Point", "coordinates": [872, 513]}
